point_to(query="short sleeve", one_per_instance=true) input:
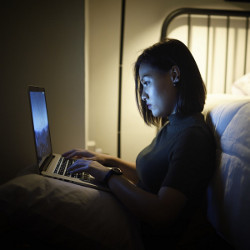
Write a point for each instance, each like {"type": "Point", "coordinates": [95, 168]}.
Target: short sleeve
{"type": "Point", "coordinates": [191, 163]}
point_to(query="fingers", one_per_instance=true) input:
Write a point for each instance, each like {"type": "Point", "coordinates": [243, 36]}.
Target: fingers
{"type": "Point", "coordinates": [79, 166]}
{"type": "Point", "coordinates": [78, 153]}
{"type": "Point", "coordinates": [73, 153]}
{"type": "Point", "coordinates": [67, 154]}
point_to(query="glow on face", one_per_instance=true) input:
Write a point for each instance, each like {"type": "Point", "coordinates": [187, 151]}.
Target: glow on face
{"type": "Point", "coordinates": [158, 92]}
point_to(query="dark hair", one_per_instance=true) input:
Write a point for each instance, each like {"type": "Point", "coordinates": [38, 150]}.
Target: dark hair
{"type": "Point", "coordinates": [191, 88]}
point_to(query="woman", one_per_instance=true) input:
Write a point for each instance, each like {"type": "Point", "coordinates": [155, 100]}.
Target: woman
{"type": "Point", "coordinates": [164, 189]}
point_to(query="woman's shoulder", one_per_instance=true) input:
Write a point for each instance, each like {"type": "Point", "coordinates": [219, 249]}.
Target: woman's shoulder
{"type": "Point", "coordinates": [186, 132]}
{"type": "Point", "coordinates": [185, 123]}
{"type": "Point", "coordinates": [192, 128]}
{"type": "Point", "coordinates": [197, 137]}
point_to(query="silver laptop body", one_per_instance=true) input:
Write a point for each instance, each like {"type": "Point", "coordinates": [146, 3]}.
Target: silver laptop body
{"type": "Point", "coordinates": [51, 164]}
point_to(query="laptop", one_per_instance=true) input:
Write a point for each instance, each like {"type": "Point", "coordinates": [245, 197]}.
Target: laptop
{"type": "Point", "coordinates": [51, 164]}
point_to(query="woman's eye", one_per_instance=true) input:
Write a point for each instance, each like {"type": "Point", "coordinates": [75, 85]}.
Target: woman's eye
{"type": "Point", "coordinates": [146, 83]}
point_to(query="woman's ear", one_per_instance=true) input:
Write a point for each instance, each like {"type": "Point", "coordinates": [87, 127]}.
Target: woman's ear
{"type": "Point", "coordinates": [175, 74]}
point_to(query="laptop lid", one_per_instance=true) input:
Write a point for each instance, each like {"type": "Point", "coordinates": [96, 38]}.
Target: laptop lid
{"type": "Point", "coordinates": [40, 122]}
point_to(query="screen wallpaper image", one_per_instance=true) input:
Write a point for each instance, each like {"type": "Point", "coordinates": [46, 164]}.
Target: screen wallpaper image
{"type": "Point", "coordinates": [40, 123]}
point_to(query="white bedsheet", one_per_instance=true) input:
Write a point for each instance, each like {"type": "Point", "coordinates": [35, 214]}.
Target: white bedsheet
{"type": "Point", "coordinates": [228, 195]}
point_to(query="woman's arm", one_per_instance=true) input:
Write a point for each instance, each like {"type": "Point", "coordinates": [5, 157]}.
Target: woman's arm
{"type": "Point", "coordinates": [157, 210]}
{"type": "Point", "coordinates": [128, 168]}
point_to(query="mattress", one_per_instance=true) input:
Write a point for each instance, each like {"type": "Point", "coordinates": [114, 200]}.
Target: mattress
{"type": "Point", "coordinates": [228, 194]}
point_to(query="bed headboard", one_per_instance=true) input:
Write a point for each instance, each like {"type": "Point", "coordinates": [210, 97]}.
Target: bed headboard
{"type": "Point", "coordinates": [219, 41]}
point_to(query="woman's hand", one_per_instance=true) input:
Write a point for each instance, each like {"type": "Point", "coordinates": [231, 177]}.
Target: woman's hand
{"type": "Point", "coordinates": [94, 168]}
{"type": "Point", "coordinates": [128, 168]}
{"type": "Point", "coordinates": [86, 155]}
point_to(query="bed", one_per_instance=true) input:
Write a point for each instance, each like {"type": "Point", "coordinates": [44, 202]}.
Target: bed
{"type": "Point", "coordinates": [106, 224]}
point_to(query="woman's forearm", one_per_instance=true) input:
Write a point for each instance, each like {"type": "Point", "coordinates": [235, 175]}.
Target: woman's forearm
{"type": "Point", "coordinates": [128, 168]}
{"type": "Point", "coordinates": [154, 209]}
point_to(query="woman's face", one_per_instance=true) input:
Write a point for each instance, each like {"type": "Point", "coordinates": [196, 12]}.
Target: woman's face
{"type": "Point", "coordinates": [159, 93]}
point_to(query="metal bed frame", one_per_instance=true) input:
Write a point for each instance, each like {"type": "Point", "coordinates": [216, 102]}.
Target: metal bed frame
{"type": "Point", "coordinates": [209, 13]}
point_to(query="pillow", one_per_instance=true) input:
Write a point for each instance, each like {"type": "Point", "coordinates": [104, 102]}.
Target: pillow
{"type": "Point", "coordinates": [48, 208]}
{"type": "Point", "coordinates": [242, 85]}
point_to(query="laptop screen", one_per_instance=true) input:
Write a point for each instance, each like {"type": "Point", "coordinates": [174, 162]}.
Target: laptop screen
{"type": "Point", "coordinates": [40, 124]}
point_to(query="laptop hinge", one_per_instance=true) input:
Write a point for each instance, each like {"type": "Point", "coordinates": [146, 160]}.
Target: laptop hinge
{"type": "Point", "coordinates": [46, 162]}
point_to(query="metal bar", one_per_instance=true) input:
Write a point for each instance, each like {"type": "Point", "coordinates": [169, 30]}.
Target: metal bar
{"type": "Point", "coordinates": [246, 46]}
{"type": "Point", "coordinates": [226, 57]}
{"type": "Point", "coordinates": [208, 38]}
{"type": "Point", "coordinates": [189, 30]}
{"type": "Point", "coordinates": [120, 79]}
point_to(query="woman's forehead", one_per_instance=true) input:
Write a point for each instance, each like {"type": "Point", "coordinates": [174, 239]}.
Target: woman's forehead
{"type": "Point", "coordinates": [146, 69]}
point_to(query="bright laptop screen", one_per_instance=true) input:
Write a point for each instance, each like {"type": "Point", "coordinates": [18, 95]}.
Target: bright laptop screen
{"type": "Point", "coordinates": [40, 125]}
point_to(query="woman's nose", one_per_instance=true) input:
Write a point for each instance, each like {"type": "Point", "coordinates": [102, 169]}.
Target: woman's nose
{"type": "Point", "coordinates": [144, 96]}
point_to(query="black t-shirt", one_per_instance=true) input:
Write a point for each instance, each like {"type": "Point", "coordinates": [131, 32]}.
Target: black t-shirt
{"type": "Point", "coordinates": [182, 157]}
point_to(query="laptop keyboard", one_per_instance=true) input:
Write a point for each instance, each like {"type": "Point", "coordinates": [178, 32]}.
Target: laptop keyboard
{"type": "Point", "coordinates": [62, 169]}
